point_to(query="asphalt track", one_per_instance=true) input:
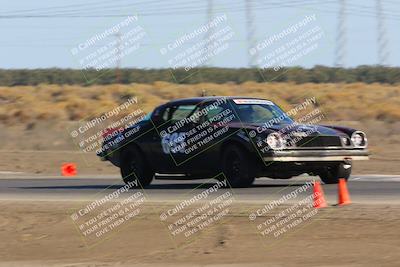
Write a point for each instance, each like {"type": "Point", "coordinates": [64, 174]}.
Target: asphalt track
{"type": "Point", "coordinates": [364, 189]}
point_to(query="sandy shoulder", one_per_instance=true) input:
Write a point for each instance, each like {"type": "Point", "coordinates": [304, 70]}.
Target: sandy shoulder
{"type": "Point", "coordinates": [43, 234]}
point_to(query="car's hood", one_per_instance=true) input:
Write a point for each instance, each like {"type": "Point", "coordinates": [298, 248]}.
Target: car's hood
{"type": "Point", "coordinates": [311, 129]}
{"type": "Point", "coordinates": [287, 128]}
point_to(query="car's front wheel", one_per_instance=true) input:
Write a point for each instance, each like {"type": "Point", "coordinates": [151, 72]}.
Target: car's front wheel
{"type": "Point", "coordinates": [237, 167]}
{"type": "Point", "coordinates": [332, 174]}
{"type": "Point", "coordinates": [134, 169]}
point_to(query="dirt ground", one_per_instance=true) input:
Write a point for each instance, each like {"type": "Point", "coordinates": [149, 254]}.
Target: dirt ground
{"type": "Point", "coordinates": [43, 234]}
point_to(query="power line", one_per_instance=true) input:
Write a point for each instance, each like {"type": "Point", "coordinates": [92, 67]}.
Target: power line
{"type": "Point", "coordinates": [63, 7]}
{"type": "Point", "coordinates": [152, 8]}
{"type": "Point", "coordinates": [115, 8]}
{"type": "Point", "coordinates": [184, 10]}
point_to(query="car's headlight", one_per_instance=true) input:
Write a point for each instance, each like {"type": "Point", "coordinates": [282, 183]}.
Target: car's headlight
{"type": "Point", "coordinates": [359, 139]}
{"type": "Point", "coordinates": [275, 141]}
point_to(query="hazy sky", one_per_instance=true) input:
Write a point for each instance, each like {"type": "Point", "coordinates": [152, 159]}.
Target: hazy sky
{"type": "Point", "coordinates": [40, 34]}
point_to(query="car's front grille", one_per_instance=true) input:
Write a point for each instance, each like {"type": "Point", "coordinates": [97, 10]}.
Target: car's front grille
{"type": "Point", "coordinates": [319, 141]}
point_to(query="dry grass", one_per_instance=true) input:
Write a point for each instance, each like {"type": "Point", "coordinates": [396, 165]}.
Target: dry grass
{"type": "Point", "coordinates": [40, 118]}
{"type": "Point", "coordinates": [360, 102]}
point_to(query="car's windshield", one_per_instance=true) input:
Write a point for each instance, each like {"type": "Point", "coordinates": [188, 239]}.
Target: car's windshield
{"type": "Point", "coordinates": [261, 111]}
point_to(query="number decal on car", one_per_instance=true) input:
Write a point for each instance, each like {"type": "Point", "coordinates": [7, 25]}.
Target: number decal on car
{"type": "Point", "coordinates": [173, 143]}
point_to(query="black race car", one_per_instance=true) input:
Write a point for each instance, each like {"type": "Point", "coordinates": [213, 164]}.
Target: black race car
{"type": "Point", "coordinates": [241, 138]}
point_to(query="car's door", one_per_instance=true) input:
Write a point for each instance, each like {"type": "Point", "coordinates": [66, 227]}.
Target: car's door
{"type": "Point", "coordinates": [217, 115]}
{"type": "Point", "coordinates": [169, 138]}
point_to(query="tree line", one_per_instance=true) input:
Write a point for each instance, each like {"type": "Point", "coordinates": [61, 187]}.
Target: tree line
{"type": "Point", "coordinates": [317, 74]}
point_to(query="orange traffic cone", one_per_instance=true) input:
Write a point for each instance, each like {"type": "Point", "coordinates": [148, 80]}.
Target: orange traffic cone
{"type": "Point", "coordinates": [343, 193]}
{"type": "Point", "coordinates": [68, 169]}
{"type": "Point", "coordinates": [318, 195]}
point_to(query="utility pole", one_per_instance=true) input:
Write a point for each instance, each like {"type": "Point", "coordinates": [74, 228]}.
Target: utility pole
{"type": "Point", "coordinates": [341, 36]}
{"type": "Point", "coordinates": [207, 41]}
{"type": "Point", "coordinates": [118, 62]}
{"type": "Point", "coordinates": [383, 53]}
{"type": "Point", "coordinates": [251, 31]}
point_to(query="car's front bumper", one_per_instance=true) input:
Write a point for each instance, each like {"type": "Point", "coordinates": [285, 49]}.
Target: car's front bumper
{"type": "Point", "coordinates": [317, 155]}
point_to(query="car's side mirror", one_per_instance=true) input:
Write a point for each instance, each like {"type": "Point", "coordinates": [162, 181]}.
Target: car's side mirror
{"type": "Point", "coordinates": [157, 120]}
{"type": "Point", "coordinates": [156, 116]}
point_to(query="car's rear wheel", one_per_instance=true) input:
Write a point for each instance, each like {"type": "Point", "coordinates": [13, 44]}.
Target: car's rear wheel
{"type": "Point", "coordinates": [237, 167]}
{"type": "Point", "coordinates": [332, 174]}
{"type": "Point", "coordinates": [135, 170]}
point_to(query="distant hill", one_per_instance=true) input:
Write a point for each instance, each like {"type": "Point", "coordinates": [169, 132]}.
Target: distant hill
{"type": "Point", "coordinates": [318, 74]}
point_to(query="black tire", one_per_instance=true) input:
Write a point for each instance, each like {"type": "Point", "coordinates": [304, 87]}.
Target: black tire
{"type": "Point", "coordinates": [331, 175]}
{"type": "Point", "coordinates": [134, 166]}
{"type": "Point", "coordinates": [237, 167]}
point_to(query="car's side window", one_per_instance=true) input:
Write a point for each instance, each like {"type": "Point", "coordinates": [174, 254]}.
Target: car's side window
{"type": "Point", "coordinates": [213, 112]}
{"type": "Point", "coordinates": [262, 114]}
{"type": "Point", "coordinates": [174, 142]}
{"type": "Point", "coordinates": [180, 112]}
